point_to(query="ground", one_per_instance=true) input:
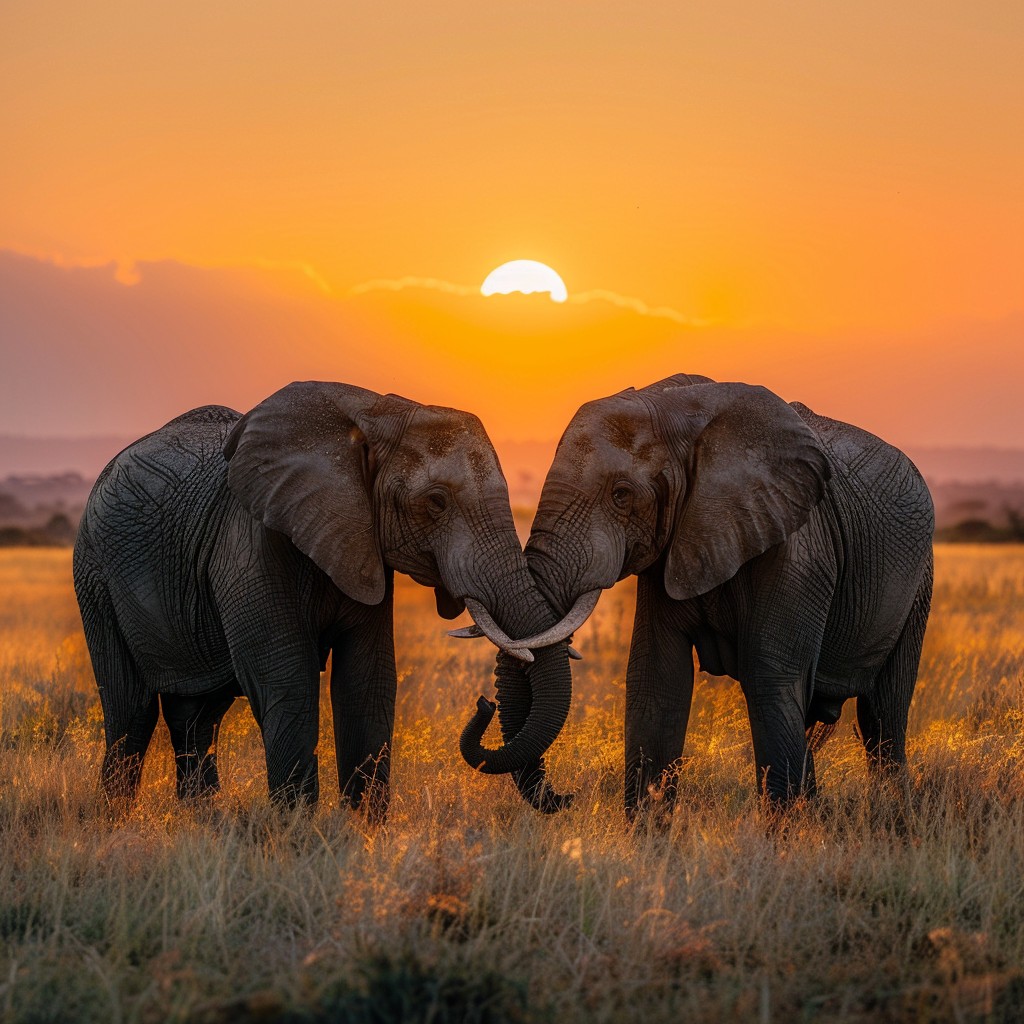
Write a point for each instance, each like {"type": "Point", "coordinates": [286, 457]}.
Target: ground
{"type": "Point", "coordinates": [468, 906]}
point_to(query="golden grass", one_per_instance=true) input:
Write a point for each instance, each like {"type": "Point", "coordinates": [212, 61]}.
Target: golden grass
{"type": "Point", "coordinates": [468, 906]}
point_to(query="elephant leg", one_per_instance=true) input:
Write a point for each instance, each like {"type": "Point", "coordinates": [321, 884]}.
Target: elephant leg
{"type": "Point", "coordinates": [776, 705]}
{"type": "Point", "coordinates": [883, 738]}
{"type": "Point", "coordinates": [778, 649]}
{"type": "Point", "coordinates": [130, 710]}
{"type": "Point", "coordinates": [882, 716]}
{"type": "Point", "coordinates": [128, 727]}
{"type": "Point", "coordinates": [659, 690]}
{"type": "Point", "coordinates": [282, 682]}
{"type": "Point", "coordinates": [363, 691]}
{"type": "Point", "coordinates": [194, 725]}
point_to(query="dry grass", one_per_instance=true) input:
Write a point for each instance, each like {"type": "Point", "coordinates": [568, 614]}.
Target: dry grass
{"type": "Point", "coordinates": [470, 907]}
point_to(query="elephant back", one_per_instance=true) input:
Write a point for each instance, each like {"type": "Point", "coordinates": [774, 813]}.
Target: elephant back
{"type": "Point", "coordinates": [859, 456]}
{"type": "Point", "coordinates": [884, 513]}
{"type": "Point", "coordinates": [148, 537]}
{"type": "Point", "coordinates": [180, 461]}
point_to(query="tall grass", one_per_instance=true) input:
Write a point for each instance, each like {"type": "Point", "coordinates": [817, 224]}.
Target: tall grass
{"type": "Point", "coordinates": [468, 906]}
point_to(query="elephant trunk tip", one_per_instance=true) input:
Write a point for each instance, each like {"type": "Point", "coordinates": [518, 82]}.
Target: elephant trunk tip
{"type": "Point", "coordinates": [469, 741]}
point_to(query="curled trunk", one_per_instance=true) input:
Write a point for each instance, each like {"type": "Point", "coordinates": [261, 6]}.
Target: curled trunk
{"type": "Point", "coordinates": [562, 603]}
{"type": "Point", "coordinates": [533, 698]}
{"type": "Point", "coordinates": [514, 707]}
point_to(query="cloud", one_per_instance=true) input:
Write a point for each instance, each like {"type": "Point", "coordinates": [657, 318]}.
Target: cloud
{"type": "Point", "coordinates": [637, 306]}
{"type": "Point", "coordinates": [129, 272]}
{"type": "Point", "coordinates": [579, 298]}
{"type": "Point", "coordinates": [383, 284]}
{"type": "Point", "coordinates": [84, 353]}
{"type": "Point", "coordinates": [125, 271]}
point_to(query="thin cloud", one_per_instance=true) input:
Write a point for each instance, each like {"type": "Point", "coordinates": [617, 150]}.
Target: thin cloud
{"type": "Point", "coordinates": [637, 306]}
{"type": "Point", "coordinates": [383, 284]}
{"type": "Point", "coordinates": [594, 295]}
{"type": "Point", "coordinates": [128, 272]}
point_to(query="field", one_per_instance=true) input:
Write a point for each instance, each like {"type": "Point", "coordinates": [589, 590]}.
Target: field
{"type": "Point", "coordinates": [468, 906]}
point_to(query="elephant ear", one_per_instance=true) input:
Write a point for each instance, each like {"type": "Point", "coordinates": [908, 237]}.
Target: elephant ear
{"type": "Point", "coordinates": [756, 471]}
{"type": "Point", "coordinates": [298, 462]}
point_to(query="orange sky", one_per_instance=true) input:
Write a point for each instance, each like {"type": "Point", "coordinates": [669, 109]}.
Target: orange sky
{"type": "Point", "coordinates": [833, 190]}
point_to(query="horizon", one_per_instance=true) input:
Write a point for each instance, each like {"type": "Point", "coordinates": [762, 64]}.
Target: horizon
{"type": "Point", "coordinates": [232, 336]}
{"type": "Point", "coordinates": [524, 462]}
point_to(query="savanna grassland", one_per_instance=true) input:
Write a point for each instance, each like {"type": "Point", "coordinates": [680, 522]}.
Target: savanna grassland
{"type": "Point", "coordinates": [468, 906]}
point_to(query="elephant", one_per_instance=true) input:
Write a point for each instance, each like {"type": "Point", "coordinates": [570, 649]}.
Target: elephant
{"type": "Point", "coordinates": [792, 551]}
{"type": "Point", "coordinates": [226, 555]}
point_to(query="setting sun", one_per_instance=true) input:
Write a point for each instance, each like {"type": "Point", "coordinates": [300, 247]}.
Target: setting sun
{"type": "Point", "coordinates": [526, 276]}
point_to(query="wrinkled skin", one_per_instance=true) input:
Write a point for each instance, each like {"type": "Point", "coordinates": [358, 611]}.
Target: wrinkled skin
{"type": "Point", "coordinates": [793, 552]}
{"type": "Point", "coordinates": [227, 555]}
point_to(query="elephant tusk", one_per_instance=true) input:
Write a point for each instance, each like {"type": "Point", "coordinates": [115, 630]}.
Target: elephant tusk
{"type": "Point", "coordinates": [520, 653]}
{"type": "Point", "coordinates": [489, 628]}
{"type": "Point", "coordinates": [514, 648]}
{"type": "Point", "coordinates": [467, 632]}
{"type": "Point", "coordinates": [576, 616]}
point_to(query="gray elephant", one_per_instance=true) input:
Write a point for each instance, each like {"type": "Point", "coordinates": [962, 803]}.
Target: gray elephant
{"type": "Point", "coordinates": [794, 552]}
{"type": "Point", "coordinates": [226, 555]}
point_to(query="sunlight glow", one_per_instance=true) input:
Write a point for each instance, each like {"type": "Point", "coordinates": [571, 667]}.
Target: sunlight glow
{"type": "Point", "coordinates": [524, 276]}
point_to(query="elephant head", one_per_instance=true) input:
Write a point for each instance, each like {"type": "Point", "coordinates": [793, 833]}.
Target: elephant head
{"type": "Point", "coordinates": [362, 482]}
{"type": "Point", "coordinates": [690, 476]}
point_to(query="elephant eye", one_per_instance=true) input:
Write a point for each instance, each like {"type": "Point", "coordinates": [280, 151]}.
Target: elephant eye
{"type": "Point", "coordinates": [621, 497]}
{"type": "Point", "coordinates": [437, 502]}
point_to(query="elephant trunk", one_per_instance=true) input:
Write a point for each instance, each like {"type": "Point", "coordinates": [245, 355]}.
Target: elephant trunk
{"type": "Point", "coordinates": [531, 715]}
{"type": "Point", "coordinates": [566, 605]}
{"type": "Point", "coordinates": [572, 556]}
{"type": "Point", "coordinates": [533, 698]}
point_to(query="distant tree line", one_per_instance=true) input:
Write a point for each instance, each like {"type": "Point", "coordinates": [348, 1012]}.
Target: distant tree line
{"type": "Point", "coordinates": [38, 511]}
{"type": "Point", "coordinates": [976, 530]}
{"type": "Point", "coordinates": [57, 531]}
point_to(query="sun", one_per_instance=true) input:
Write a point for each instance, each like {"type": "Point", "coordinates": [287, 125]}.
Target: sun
{"type": "Point", "coordinates": [524, 276]}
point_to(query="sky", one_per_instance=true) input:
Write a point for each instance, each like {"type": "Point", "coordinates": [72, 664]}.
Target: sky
{"type": "Point", "coordinates": [196, 200]}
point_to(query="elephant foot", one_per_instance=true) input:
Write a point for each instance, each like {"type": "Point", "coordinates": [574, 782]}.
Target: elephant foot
{"type": "Point", "coordinates": [302, 789]}
{"type": "Point", "coordinates": [372, 804]}
{"type": "Point", "coordinates": [367, 789]}
{"type": "Point", "coordinates": [120, 778]}
{"type": "Point", "coordinates": [652, 795]}
{"type": "Point", "coordinates": [196, 777]}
